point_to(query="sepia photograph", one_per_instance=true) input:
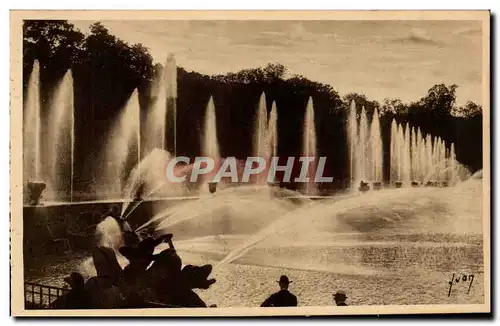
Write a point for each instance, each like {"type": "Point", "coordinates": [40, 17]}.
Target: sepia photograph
{"type": "Point", "coordinates": [226, 163]}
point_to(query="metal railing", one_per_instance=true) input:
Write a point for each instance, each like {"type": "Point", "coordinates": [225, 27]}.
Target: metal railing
{"type": "Point", "coordinates": [38, 296]}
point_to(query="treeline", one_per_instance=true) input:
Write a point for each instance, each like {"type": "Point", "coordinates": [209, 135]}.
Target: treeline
{"type": "Point", "coordinates": [106, 70]}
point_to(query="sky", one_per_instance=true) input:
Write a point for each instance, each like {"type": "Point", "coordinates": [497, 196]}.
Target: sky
{"type": "Point", "coordinates": [381, 59]}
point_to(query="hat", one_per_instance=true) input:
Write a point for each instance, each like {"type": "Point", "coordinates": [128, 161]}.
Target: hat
{"type": "Point", "coordinates": [284, 279]}
{"type": "Point", "coordinates": [340, 294]}
{"type": "Point", "coordinates": [74, 279]}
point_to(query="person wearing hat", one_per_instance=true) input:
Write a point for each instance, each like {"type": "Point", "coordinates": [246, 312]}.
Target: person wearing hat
{"type": "Point", "coordinates": [340, 297]}
{"type": "Point", "coordinates": [282, 298]}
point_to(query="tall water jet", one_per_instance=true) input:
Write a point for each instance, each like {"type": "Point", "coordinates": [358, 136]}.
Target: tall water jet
{"type": "Point", "coordinates": [61, 128]}
{"type": "Point", "coordinates": [444, 161]}
{"type": "Point", "coordinates": [124, 136]}
{"type": "Point", "coordinates": [261, 141]}
{"type": "Point", "coordinates": [171, 99]}
{"type": "Point", "coordinates": [441, 160]}
{"type": "Point", "coordinates": [352, 126]}
{"type": "Point", "coordinates": [400, 142]}
{"type": "Point", "coordinates": [394, 152]}
{"type": "Point", "coordinates": [362, 147]}
{"type": "Point", "coordinates": [452, 163]}
{"type": "Point", "coordinates": [421, 155]}
{"type": "Point", "coordinates": [32, 128]}
{"type": "Point", "coordinates": [155, 130]}
{"type": "Point", "coordinates": [434, 157]}
{"type": "Point", "coordinates": [309, 147]}
{"type": "Point", "coordinates": [406, 156]}
{"type": "Point", "coordinates": [376, 148]}
{"type": "Point", "coordinates": [414, 156]}
{"type": "Point", "coordinates": [273, 131]}
{"type": "Point", "coordinates": [428, 157]}
{"type": "Point", "coordinates": [261, 135]}
{"type": "Point", "coordinates": [210, 143]}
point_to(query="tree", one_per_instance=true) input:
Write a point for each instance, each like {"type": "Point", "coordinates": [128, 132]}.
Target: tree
{"type": "Point", "coordinates": [107, 53]}
{"type": "Point", "coordinates": [440, 100]}
{"type": "Point", "coordinates": [274, 71]}
{"type": "Point", "coordinates": [393, 107]}
{"type": "Point", "coordinates": [56, 44]}
{"type": "Point", "coordinates": [469, 110]}
{"type": "Point", "coordinates": [361, 101]}
{"type": "Point", "coordinates": [51, 40]}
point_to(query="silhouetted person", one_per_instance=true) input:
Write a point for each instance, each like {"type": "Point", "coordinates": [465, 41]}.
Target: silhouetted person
{"type": "Point", "coordinates": [282, 298]}
{"type": "Point", "coordinates": [77, 297]}
{"type": "Point", "coordinates": [340, 297]}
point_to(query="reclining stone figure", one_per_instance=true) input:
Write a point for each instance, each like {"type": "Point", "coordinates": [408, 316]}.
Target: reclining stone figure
{"type": "Point", "coordinates": [104, 288]}
{"type": "Point", "coordinates": [136, 286]}
{"type": "Point", "coordinates": [174, 284]}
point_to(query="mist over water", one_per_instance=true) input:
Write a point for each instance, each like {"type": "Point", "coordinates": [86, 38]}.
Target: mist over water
{"type": "Point", "coordinates": [351, 233]}
{"type": "Point", "coordinates": [234, 210]}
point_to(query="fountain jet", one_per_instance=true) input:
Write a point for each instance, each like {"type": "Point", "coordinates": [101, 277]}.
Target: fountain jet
{"type": "Point", "coordinates": [352, 138]}
{"type": "Point", "coordinates": [32, 128]}
{"type": "Point", "coordinates": [309, 146]}
{"type": "Point", "coordinates": [273, 131]}
{"type": "Point", "coordinates": [61, 128]}
{"type": "Point", "coordinates": [155, 130]}
{"type": "Point", "coordinates": [366, 149]}
{"type": "Point", "coordinates": [261, 140]}
{"type": "Point", "coordinates": [210, 143]}
{"type": "Point", "coordinates": [124, 136]}
{"type": "Point", "coordinates": [376, 149]}
{"type": "Point", "coordinates": [171, 100]}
